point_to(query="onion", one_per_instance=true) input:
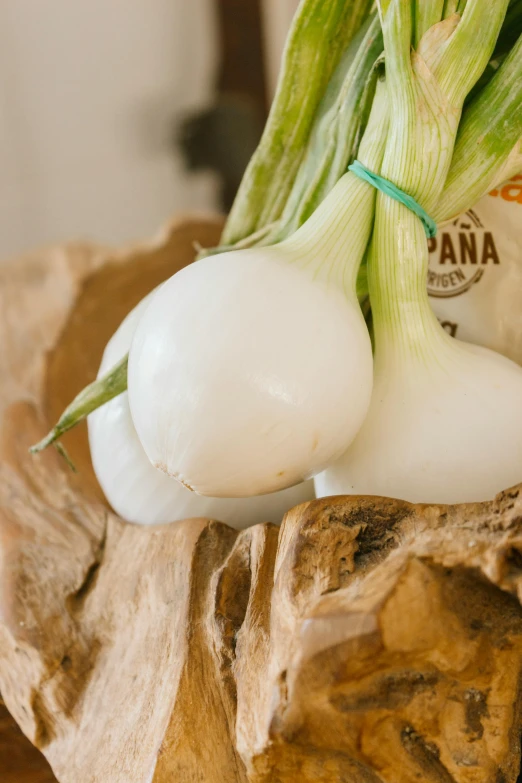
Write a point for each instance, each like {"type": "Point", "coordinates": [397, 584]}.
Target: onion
{"type": "Point", "coordinates": [140, 493]}
{"type": "Point", "coordinates": [444, 425]}
{"type": "Point", "coordinates": [252, 370]}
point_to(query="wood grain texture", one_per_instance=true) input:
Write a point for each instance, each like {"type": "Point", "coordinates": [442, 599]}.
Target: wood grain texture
{"type": "Point", "coordinates": [365, 641]}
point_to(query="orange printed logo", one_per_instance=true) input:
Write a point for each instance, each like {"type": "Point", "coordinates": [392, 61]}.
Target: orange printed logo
{"type": "Point", "coordinates": [459, 256]}
{"type": "Point", "coordinates": [511, 191]}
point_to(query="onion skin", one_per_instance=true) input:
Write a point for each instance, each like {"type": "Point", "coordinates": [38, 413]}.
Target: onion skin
{"type": "Point", "coordinates": [141, 494]}
{"type": "Point", "coordinates": [441, 429]}
{"type": "Point", "coordinates": [247, 376]}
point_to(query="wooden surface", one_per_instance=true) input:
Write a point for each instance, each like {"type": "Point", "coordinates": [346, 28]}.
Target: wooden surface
{"type": "Point", "coordinates": [365, 641]}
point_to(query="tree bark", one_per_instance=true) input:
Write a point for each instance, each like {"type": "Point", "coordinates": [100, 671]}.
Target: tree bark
{"type": "Point", "coordinates": [365, 641]}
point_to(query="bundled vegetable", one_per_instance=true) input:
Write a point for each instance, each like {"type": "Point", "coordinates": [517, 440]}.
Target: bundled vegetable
{"type": "Point", "coordinates": [252, 369]}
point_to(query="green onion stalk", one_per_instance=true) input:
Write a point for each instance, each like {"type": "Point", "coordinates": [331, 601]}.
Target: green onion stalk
{"type": "Point", "coordinates": [427, 90]}
{"type": "Point", "coordinates": [317, 40]}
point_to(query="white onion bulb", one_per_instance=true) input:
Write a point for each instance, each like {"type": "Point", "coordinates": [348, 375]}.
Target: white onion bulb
{"type": "Point", "coordinates": [136, 490]}
{"type": "Point", "coordinates": [252, 370]}
{"type": "Point", "coordinates": [236, 383]}
{"type": "Point", "coordinates": [444, 426]}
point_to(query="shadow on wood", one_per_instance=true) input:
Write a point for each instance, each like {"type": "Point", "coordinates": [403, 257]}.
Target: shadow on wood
{"type": "Point", "coordinates": [20, 762]}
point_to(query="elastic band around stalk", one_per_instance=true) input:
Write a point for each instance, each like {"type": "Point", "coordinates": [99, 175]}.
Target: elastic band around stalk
{"type": "Point", "coordinates": [391, 190]}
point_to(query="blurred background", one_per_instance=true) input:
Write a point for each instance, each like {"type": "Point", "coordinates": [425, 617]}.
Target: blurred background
{"type": "Point", "coordinates": [115, 114]}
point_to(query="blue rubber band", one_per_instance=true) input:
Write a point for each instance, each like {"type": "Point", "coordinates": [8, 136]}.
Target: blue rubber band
{"type": "Point", "coordinates": [387, 187]}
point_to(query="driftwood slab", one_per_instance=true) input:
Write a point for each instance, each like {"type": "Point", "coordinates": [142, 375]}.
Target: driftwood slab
{"type": "Point", "coordinates": [365, 641]}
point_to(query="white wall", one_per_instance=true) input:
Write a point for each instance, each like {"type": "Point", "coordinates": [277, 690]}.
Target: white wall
{"type": "Point", "coordinates": [89, 90]}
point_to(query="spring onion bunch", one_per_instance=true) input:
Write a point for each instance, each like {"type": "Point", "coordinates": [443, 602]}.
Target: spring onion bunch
{"type": "Point", "coordinates": [252, 369]}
